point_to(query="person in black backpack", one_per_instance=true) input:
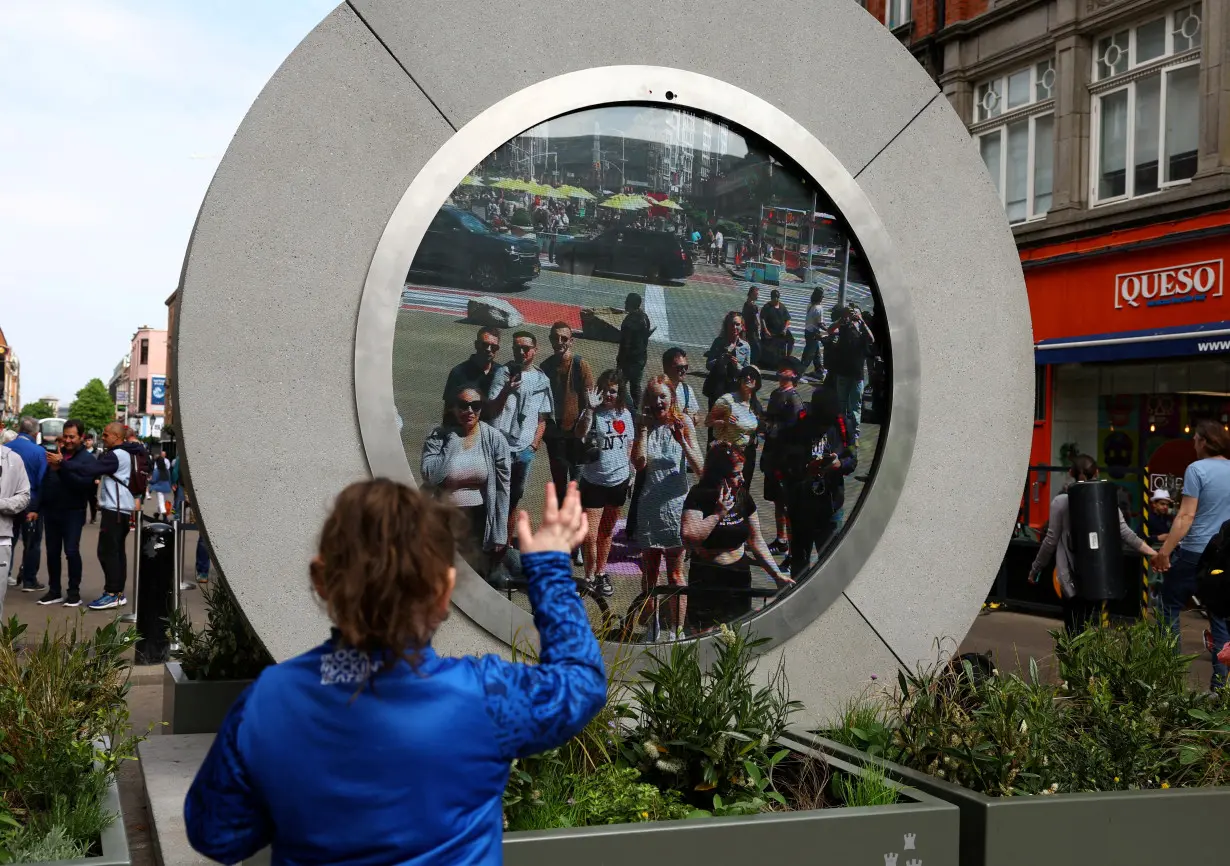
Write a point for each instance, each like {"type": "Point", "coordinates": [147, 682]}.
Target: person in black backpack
{"type": "Point", "coordinates": [1203, 512]}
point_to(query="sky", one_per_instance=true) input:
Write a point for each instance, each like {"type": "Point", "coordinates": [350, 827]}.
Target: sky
{"type": "Point", "coordinates": [115, 115]}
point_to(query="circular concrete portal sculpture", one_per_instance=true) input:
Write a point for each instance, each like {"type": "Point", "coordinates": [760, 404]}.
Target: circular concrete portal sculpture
{"type": "Point", "coordinates": [294, 276]}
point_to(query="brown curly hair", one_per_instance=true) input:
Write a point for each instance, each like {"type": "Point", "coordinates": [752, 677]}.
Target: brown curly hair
{"type": "Point", "coordinates": [385, 551]}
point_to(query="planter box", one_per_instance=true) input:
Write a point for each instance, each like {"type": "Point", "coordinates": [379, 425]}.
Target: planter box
{"type": "Point", "coordinates": [868, 835]}
{"type": "Point", "coordinates": [196, 706]}
{"type": "Point", "coordinates": [1117, 828]}
{"type": "Point", "coordinates": [114, 840]}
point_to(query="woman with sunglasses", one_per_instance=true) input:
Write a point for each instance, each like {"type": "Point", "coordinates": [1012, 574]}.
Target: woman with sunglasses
{"type": "Point", "coordinates": [719, 526]}
{"type": "Point", "coordinates": [735, 417]}
{"type": "Point", "coordinates": [665, 447]}
{"type": "Point", "coordinates": [468, 462]}
{"type": "Point", "coordinates": [609, 434]}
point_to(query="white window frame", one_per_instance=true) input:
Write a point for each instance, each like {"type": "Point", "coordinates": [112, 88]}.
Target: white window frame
{"type": "Point", "coordinates": [898, 13]}
{"type": "Point", "coordinates": [1167, 64]}
{"type": "Point", "coordinates": [1032, 111]}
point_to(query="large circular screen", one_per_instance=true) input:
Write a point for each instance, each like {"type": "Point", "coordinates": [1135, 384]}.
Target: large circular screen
{"type": "Point", "coordinates": [665, 309]}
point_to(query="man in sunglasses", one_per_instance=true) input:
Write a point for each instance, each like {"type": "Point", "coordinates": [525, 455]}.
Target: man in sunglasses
{"type": "Point", "coordinates": [519, 403]}
{"type": "Point", "coordinates": [476, 371]}
{"type": "Point", "coordinates": [572, 382]}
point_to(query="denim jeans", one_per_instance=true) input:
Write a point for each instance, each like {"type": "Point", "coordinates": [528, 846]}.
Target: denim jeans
{"type": "Point", "coordinates": [63, 531]}
{"type": "Point", "coordinates": [850, 398]}
{"type": "Point", "coordinates": [32, 549]}
{"type": "Point", "coordinates": [1177, 588]}
{"type": "Point", "coordinates": [811, 351]}
{"type": "Point", "coordinates": [202, 555]}
{"type": "Point", "coordinates": [520, 471]}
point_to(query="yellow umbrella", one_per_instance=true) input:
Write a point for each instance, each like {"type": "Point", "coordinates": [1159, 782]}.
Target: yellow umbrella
{"type": "Point", "coordinates": [471, 180]}
{"type": "Point", "coordinates": [668, 204]}
{"type": "Point", "coordinates": [576, 192]}
{"type": "Point", "coordinates": [515, 185]}
{"type": "Point", "coordinates": [625, 202]}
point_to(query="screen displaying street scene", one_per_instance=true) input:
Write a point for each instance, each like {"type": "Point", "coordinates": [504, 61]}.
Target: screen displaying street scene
{"type": "Point", "coordinates": [665, 309]}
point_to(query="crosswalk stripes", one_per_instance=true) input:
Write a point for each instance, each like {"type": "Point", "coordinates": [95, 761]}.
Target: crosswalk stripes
{"type": "Point", "coordinates": [433, 300]}
{"type": "Point", "coordinates": [798, 300]}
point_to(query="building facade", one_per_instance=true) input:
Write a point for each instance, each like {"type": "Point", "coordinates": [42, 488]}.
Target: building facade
{"type": "Point", "coordinates": [10, 382]}
{"type": "Point", "coordinates": [147, 381]}
{"type": "Point", "coordinates": [1105, 125]}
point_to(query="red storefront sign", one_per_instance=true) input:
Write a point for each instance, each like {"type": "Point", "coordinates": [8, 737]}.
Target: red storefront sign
{"type": "Point", "coordinates": [1131, 281]}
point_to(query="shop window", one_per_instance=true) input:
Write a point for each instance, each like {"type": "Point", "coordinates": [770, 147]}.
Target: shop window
{"type": "Point", "coordinates": [1146, 106]}
{"type": "Point", "coordinates": [899, 12]}
{"type": "Point", "coordinates": [1015, 128]}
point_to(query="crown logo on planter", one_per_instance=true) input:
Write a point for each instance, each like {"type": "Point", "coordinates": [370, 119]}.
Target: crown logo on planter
{"type": "Point", "coordinates": [909, 841]}
{"type": "Point", "coordinates": [890, 860]}
{"type": "Point", "coordinates": [913, 863]}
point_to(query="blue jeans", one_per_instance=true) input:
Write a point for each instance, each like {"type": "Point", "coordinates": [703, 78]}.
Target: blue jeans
{"type": "Point", "coordinates": [1177, 588]}
{"type": "Point", "coordinates": [202, 555]}
{"type": "Point", "coordinates": [516, 483]}
{"type": "Point", "coordinates": [63, 531]}
{"type": "Point", "coordinates": [850, 398]}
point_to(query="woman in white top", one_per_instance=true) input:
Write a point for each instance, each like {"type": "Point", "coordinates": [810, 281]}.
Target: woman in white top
{"type": "Point", "coordinates": [608, 432]}
{"type": "Point", "coordinates": [665, 446]}
{"type": "Point", "coordinates": [813, 330]}
{"type": "Point", "coordinates": [735, 418]}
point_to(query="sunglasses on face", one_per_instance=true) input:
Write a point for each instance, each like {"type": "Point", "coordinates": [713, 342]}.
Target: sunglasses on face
{"type": "Point", "coordinates": [469, 406]}
{"type": "Point", "coordinates": [559, 340]}
{"type": "Point", "coordinates": [523, 348]}
{"type": "Point", "coordinates": [683, 367]}
{"type": "Point", "coordinates": [488, 347]}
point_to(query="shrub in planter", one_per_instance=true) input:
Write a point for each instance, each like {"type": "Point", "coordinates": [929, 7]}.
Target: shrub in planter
{"type": "Point", "coordinates": [63, 731]}
{"type": "Point", "coordinates": [683, 741]}
{"type": "Point", "coordinates": [1122, 718]}
{"type": "Point", "coordinates": [226, 648]}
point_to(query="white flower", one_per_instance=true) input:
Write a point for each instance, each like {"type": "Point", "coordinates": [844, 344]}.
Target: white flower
{"type": "Point", "coordinates": [1024, 727]}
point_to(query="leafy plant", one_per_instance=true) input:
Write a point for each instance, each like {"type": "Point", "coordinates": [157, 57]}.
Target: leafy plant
{"type": "Point", "coordinates": [697, 729]}
{"type": "Point", "coordinates": [759, 794]}
{"type": "Point", "coordinates": [227, 648]}
{"type": "Point", "coordinates": [863, 725]}
{"type": "Point", "coordinates": [64, 728]}
{"type": "Point", "coordinates": [93, 406]}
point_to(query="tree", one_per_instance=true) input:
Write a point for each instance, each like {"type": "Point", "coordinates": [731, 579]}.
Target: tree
{"type": "Point", "coordinates": [37, 409]}
{"type": "Point", "coordinates": [93, 407]}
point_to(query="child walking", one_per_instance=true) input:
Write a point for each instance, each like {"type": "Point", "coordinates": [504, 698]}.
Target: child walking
{"type": "Point", "coordinates": [370, 748]}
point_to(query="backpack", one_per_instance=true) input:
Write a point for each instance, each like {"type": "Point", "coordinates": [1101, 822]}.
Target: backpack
{"type": "Point", "coordinates": [138, 473]}
{"type": "Point", "coordinates": [1213, 574]}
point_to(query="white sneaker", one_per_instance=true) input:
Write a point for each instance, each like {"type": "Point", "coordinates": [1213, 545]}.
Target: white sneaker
{"type": "Point", "coordinates": [12, 581]}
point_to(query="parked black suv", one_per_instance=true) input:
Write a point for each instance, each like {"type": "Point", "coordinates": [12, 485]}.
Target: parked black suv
{"type": "Point", "coordinates": [651, 256]}
{"type": "Point", "coordinates": [461, 246]}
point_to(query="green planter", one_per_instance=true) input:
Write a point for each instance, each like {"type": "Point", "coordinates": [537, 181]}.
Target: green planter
{"type": "Point", "coordinates": [1116, 828]}
{"type": "Point", "coordinates": [196, 706]}
{"type": "Point", "coordinates": [113, 841]}
{"type": "Point", "coordinates": [840, 835]}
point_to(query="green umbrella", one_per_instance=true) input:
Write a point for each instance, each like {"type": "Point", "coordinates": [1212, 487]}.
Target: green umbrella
{"type": "Point", "coordinates": [471, 180]}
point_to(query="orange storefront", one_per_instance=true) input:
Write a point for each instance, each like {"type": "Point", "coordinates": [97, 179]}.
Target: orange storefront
{"type": "Point", "coordinates": [1132, 346]}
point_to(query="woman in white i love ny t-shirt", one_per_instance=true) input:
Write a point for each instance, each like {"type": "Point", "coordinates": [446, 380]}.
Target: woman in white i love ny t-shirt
{"type": "Point", "coordinates": [605, 479]}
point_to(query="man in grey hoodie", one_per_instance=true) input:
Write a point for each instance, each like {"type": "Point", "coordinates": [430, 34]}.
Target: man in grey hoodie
{"type": "Point", "coordinates": [14, 497]}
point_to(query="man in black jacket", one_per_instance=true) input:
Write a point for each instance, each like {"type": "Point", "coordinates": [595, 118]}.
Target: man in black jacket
{"type": "Point", "coordinates": [67, 489]}
{"type": "Point", "coordinates": [630, 360]}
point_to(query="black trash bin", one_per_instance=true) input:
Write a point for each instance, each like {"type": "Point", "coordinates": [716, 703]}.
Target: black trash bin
{"type": "Point", "coordinates": [1093, 510]}
{"type": "Point", "coordinates": [155, 590]}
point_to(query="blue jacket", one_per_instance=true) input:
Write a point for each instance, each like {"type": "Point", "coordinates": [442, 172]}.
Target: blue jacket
{"type": "Point", "coordinates": [410, 769]}
{"type": "Point", "coordinates": [70, 487]}
{"type": "Point", "coordinates": [35, 457]}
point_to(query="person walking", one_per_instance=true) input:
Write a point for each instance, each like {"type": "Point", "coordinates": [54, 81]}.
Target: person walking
{"type": "Point", "coordinates": [781, 415]}
{"type": "Point", "coordinates": [813, 333]}
{"type": "Point", "coordinates": [847, 345]}
{"type": "Point", "coordinates": [1057, 545]}
{"type": "Point", "coordinates": [1203, 508]}
{"type": "Point", "coordinates": [14, 499]}
{"type": "Point", "coordinates": [634, 334]}
{"type": "Point", "coordinates": [67, 489]}
{"type": "Point", "coordinates": [752, 325]}
{"type": "Point", "coordinates": [776, 338]}
{"type": "Point", "coordinates": [88, 445]}
{"type": "Point", "coordinates": [160, 485]}
{"type": "Point", "coordinates": [30, 525]}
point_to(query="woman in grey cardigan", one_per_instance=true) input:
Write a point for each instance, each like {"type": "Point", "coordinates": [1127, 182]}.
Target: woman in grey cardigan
{"type": "Point", "coordinates": [468, 460]}
{"type": "Point", "coordinates": [1058, 543]}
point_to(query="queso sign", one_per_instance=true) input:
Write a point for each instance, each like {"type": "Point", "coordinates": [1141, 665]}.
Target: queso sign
{"type": "Point", "coordinates": [1160, 287]}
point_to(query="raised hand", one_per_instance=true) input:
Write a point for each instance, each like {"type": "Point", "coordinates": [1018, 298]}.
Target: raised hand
{"type": "Point", "coordinates": [563, 527]}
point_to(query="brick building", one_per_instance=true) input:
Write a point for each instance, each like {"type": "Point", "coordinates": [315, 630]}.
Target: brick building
{"type": "Point", "coordinates": [1105, 125]}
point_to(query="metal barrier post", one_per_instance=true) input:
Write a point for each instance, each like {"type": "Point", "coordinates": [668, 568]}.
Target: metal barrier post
{"type": "Point", "coordinates": [131, 616]}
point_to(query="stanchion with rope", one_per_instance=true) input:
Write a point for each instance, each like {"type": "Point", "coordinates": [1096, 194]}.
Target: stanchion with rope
{"type": "Point", "coordinates": [1146, 606]}
{"type": "Point", "coordinates": [134, 523]}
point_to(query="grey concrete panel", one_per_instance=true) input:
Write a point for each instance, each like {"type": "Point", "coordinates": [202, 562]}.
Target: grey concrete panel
{"type": "Point", "coordinates": [827, 63]}
{"type": "Point", "coordinates": [264, 380]}
{"type": "Point", "coordinates": [934, 565]}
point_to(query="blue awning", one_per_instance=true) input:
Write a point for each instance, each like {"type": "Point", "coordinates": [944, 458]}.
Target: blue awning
{"type": "Point", "coordinates": [1211, 338]}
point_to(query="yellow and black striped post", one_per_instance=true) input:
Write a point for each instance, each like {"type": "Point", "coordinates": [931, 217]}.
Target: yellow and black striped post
{"type": "Point", "coordinates": [1145, 607]}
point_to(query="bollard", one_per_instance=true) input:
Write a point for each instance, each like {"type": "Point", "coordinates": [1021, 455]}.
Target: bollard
{"type": "Point", "coordinates": [1096, 546]}
{"type": "Point", "coordinates": [155, 579]}
{"type": "Point", "coordinates": [135, 531]}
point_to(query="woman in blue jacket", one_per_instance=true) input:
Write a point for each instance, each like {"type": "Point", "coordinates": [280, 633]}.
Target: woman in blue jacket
{"type": "Point", "coordinates": [370, 748]}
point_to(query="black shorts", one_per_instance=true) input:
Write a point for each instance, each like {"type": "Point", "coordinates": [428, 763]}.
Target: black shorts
{"type": "Point", "coordinates": [597, 496]}
{"type": "Point", "coordinates": [710, 599]}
